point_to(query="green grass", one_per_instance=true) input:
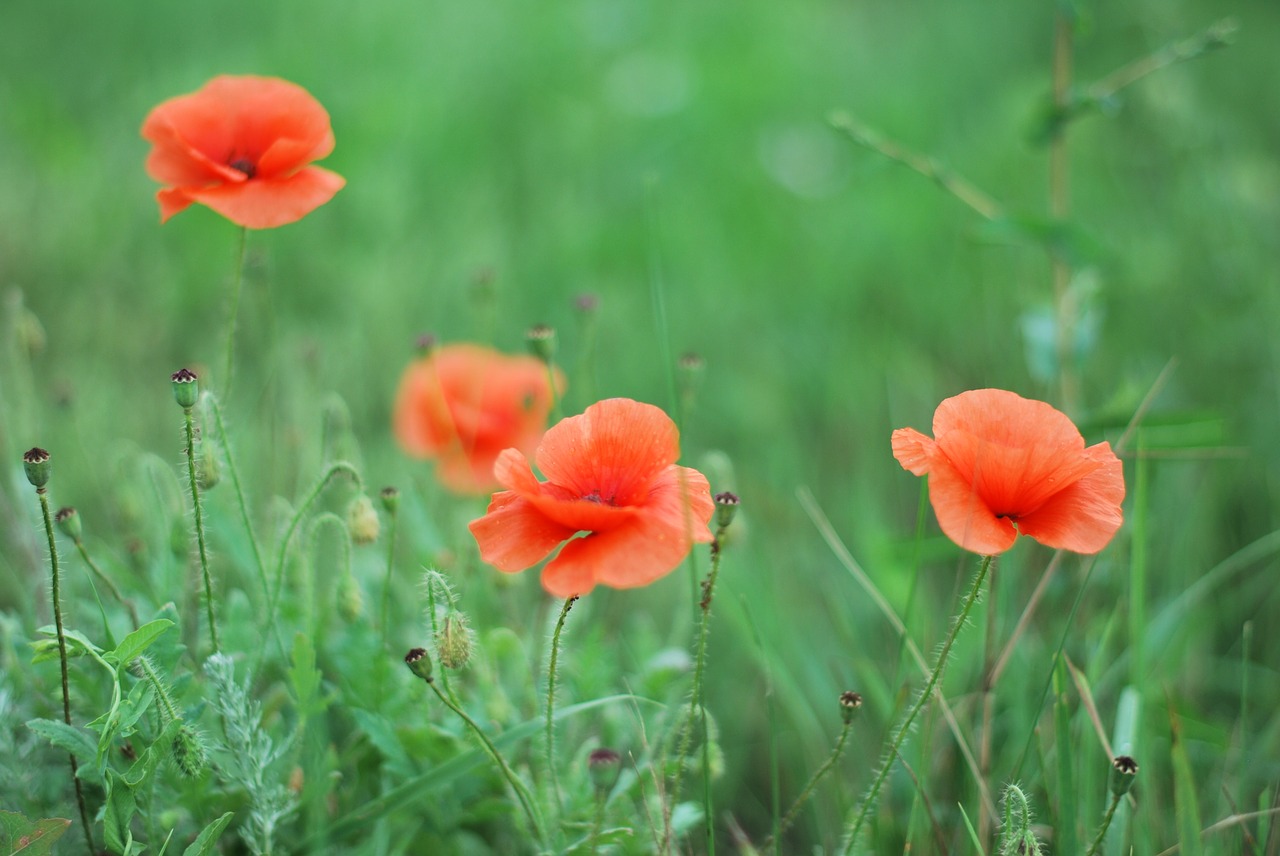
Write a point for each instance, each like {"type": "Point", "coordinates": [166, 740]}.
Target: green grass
{"type": "Point", "coordinates": [600, 146]}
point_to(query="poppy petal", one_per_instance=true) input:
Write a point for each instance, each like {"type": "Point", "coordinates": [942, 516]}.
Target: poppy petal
{"type": "Point", "coordinates": [963, 516]}
{"type": "Point", "coordinates": [572, 572]}
{"type": "Point", "coordinates": [267, 203]}
{"type": "Point", "coordinates": [513, 536]}
{"type": "Point", "coordinates": [171, 202]}
{"type": "Point", "coordinates": [913, 450]}
{"type": "Point", "coordinates": [1084, 516]}
{"type": "Point", "coordinates": [1014, 480]}
{"type": "Point", "coordinates": [614, 449]}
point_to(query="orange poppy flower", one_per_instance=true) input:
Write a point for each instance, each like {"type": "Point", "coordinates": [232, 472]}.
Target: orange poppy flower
{"type": "Point", "coordinates": [241, 146]}
{"type": "Point", "coordinates": [463, 404]}
{"type": "Point", "coordinates": [1001, 465]}
{"type": "Point", "coordinates": [611, 477]}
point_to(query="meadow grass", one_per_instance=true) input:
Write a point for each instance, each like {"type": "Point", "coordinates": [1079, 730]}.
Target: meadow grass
{"type": "Point", "coordinates": [723, 181]}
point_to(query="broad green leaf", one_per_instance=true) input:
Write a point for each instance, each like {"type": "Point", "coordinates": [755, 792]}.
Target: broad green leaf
{"type": "Point", "coordinates": [66, 737]}
{"type": "Point", "coordinates": [20, 836]}
{"type": "Point", "coordinates": [208, 837]}
{"type": "Point", "coordinates": [139, 640]}
{"type": "Point", "coordinates": [119, 811]}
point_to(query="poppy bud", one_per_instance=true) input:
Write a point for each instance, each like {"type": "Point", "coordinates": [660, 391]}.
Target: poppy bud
{"type": "Point", "coordinates": [454, 641]}
{"type": "Point", "coordinates": [209, 473]}
{"type": "Point", "coordinates": [542, 341]}
{"type": "Point", "coordinates": [726, 507]}
{"type": "Point", "coordinates": [68, 523]}
{"type": "Point", "coordinates": [362, 520]}
{"type": "Point", "coordinates": [36, 463]}
{"type": "Point", "coordinates": [604, 766]}
{"type": "Point", "coordinates": [189, 754]}
{"type": "Point", "coordinates": [850, 704]}
{"type": "Point", "coordinates": [186, 388]}
{"type": "Point", "coordinates": [179, 538]}
{"type": "Point", "coordinates": [419, 662]}
{"type": "Point", "coordinates": [1123, 771]}
{"type": "Point", "coordinates": [390, 500]}
{"type": "Point", "coordinates": [350, 599]}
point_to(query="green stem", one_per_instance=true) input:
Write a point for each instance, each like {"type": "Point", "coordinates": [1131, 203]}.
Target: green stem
{"type": "Point", "coordinates": [199, 518]}
{"type": "Point", "coordinates": [597, 824]}
{"type": "Point", "coordinates": [235, 310]}
{"type": "Point", "coordinates": [550, 739]}
{"type": "Point", "coordinates": [551, 385]}
{"type": "Point", "coordinates": [810, 788]}
{"type": "Point", "coordinates": [216, 409]}
{"type": "Point", "coordinates": [385, 612]}
{"type": "Point", "coordinates": [62, 659]}
{"type": "Point", "coordinates": [109, 583]}
{"type": "Point", "coordinates": [149, 672]}
{"type": "Point", "coordinates": [522, 793]}
{"type": "Point", "coordinates": [1106, 824]}
{"type": "Point", "coordinates": [432, 582]}
{"type": "Point", "coordinates": [900, 735]}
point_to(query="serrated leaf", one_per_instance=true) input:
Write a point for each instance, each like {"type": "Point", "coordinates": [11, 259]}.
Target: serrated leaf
{"type": "Point", "coordinates": [139, 640]}
{"type": "Point", "coordinates": [66, 737]}
{"type": "Point", "coordinates": [72, 637]}
{"type": "Point", "coordinates": [208, 837]}
{"type": "Point", "coordinates": [24, 837]}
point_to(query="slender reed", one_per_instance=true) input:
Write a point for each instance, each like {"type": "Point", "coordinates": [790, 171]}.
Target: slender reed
{"type": "Point", "coordinates": [550, 732]}
{"type": "Point", "coordinates": [186, 391]}
{"type": "Point", "coordinates": [38, 470]}
{"type": "Point", "coordinates": [901, 734]}
{"type": "Point", "coordinates": [235, 310]}
{"type": "Point", "coordinates": [419, 662]}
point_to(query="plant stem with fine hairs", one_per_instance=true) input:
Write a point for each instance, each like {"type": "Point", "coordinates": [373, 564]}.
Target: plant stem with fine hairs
{"type": "Point", "coordinates": [188, 421]}
{"type": "Point", "coordinates": [552, 778]}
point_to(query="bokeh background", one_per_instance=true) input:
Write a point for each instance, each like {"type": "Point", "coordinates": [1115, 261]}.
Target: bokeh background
{"type": "Point", "coordinates": [504, 159]}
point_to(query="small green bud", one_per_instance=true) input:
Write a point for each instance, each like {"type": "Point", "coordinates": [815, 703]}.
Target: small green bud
{"type": "Point", "coordinates": [350, 599]}
{"type": "Point", "coordinates": [362, 520]}
{"type": "Point", "coordinates": [68, 521]}
{"type": "Point", "coordinates": [542, 341]}
{"type": "Point", "coordinates": [850, 704]}
{"type": "Point", "coordinates": [1123, 771]}
{"type": "Point", "coordinates": [726, 507]}
{"type": "Point", "coordinates": [189, 754]}
{"type": "Point", "coordinates": [390, 500]}
{"type": "Point", "coordinates": [36, 463]}
{"type": "Point", "coordinates": [419, 662]}
{"type": "Point", "coordinates": [454, 641]}
{"type": "Point", "coordinates": [209, 470]}
{"type": "Point", "coordinates": [604, 766]}
{"type": "Point", "coordinates": [186, 388]}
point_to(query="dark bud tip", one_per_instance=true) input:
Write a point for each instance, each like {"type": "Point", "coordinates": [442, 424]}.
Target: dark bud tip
{"type": "Point", "coordinates": [186, 388]}
{"type": "Point", "coordinates": [586, 303]}
{"type": "Point", "coordinates": [542, 341]}
{"type": "Point", "coordinates": [390, 498]}
{"type": "Point", "coordinates": [36, 464]}
{"type": "Point", "coordinates": [68, 521]}
{"type": "Point", "coordinates": [419, 662]}
{"type": "Point", "coordinates": [850, 704]}
{"type": "Point", "coordinates": [726, 507]}
{"type": "Point", "coordinates": [1123, 771]}
{"type": "Point", "coordinates": [425, 344]}
{"type": "Point", "coordinates": [604, 766]}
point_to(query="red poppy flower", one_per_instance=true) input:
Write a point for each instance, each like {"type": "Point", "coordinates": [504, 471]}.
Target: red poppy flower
{"type": "Point", "coordinates": [463, 404]}
{"type": "Point", "coordinates": [1001, 465]}
{"type": "Point", "coordinates": [242, 145]}
{"type": "Point", "coordinates": [612, 478]}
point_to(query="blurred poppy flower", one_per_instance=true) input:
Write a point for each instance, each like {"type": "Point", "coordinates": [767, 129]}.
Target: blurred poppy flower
{"type": "Point", "coordinates": [241, 146]}
{"type": "Point", "coordinates": [612, 478]}
{"type": "Point", "coordinates": [1001, 465]}
{"type": "Point", "coordinates": [463, 404]}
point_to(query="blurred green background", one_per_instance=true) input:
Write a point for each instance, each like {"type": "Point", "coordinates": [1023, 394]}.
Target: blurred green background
{"type": "Point", "coordinates": [503, 159]}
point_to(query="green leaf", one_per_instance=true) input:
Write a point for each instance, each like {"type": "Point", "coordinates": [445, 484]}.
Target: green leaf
{"type": "Point", "coordinates": [72, 637]}
{"type": "Point", "coordinates": [304, 677]}
{"type": "Point", "coordinates": [139, 640]}
{"type": "Point", "coordinates": [119, 811]}
{"type": "Point", "coordinates": [208, 837]}
{"type": "Point", "coordinates": [1186, 806]}
{"type": "Point", "coordinates": [19, 835]}
{"type": "Point", "coordinates": [66, 737]}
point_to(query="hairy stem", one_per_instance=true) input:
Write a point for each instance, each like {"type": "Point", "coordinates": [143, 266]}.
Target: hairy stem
{"type": "Point", "coordinates": [809, 788]}
{"type": "Point", "coordinates": [550, 732]}
{"type": "Point", "coordinates": [1106, 824]}
{"type": "Point", "coordinates": [188, 421]}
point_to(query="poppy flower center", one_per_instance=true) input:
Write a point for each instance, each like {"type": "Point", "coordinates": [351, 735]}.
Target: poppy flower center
{"type": "Point", "coordinates": [244, 165]}
{"type": "Point", "coordinates": [595, 497]}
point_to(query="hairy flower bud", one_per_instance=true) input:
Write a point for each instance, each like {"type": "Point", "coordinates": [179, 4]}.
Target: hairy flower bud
{"type": "Point", "coordinates": [604, 766]}
{"type": "Point", "coordinates": [350, 599]}
{"type": "Point", "coordinates": [362, 520]}
{"type": "Point", "coordinates": [186, 388]}
{"type": "Point", "coordinates": [68, 521]}
{"type": "Point", "coordinates": [1123, 771]}
{"type": "Point", "coordinates": [454, 641]}
{"type": "Point", "coordinates": [419, 662]}
{"type": "Point", "coordinates": [850, 704]}
{"type": "Point", "coordinates": [189, 754]}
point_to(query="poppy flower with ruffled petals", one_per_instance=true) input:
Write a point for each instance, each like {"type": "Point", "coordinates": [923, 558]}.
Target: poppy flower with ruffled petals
{"type": "Point", "coordinates": [614, 497]}
{"type": "Point", "coordinates": [242, 146]}
{"type": "Point", "coordinates": [1000, 465]}
{"type": "Point", "coordinates": [461, 405]}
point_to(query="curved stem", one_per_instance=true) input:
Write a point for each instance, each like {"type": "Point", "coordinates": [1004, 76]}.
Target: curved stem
{"type": "Point", "coordinates": [1106, 824]}
{"type": "Point", "coordinates": [108, 582]}
{"type": "Point", "coordinates": [235, 310]}
{"type": "Point", "coordinates": [149, 673]}
{"type": "Point", "coordinates": [522, 793]}
{"type": "Point", "coordinates": [199, 517]}
{"type": "Point", "coordinates": [552, 778]}
{"type": "Point", "coordinates": [810, 787]}
{"type": "Point", "coordinates": [62, 659]}
{"type": "Point", "coordinates": [900, 735]}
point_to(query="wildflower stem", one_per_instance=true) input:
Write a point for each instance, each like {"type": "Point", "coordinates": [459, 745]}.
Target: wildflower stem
{"type": "Point", "coordinates": [809, 788]}
{"type": "Point", "coordinates": [385, 612]}
{"type": "Point", "coordinates": [597, 823]}
{"type": "Point", "coordinates": [149, 673]}
{"type": "Point", "coordinates": [216, 410]}
{"type": "Point", "coordinates": [108, 582]}
{"type": "Point", "coordinates": [189, 422]}
{"type": "Point", "coordinates": [550, 739]}
{"type": "Point", "coordinates": [522, 792]}
{"type": "Point", "coordinates": [62, 659]}
{"type": "Point", "coordinates": [237, 282]}
{"type": "Point", "coordinates": [1106, 824]}
{"type": "Point", "coordinates": [900, 735]}
{"type": "Point", "coordinates": [435, 628]}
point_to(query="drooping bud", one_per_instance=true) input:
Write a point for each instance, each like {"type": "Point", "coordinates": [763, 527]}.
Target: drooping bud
{"type": "Point", "coordinates": [726, 507]}
{"type": "Point", "coordinates": [36, 463]}
{"type": "Point", "coordinates": [850, 704]}
{"type": "Point", "coordinates": [189, 754]}
{"type": "Point", "coordinates": [362, 520]}
{"type": "Point", "coordinates": [1123, 771]}
{"type": "Point", "coordinates": [68, 521]}
{"type": "Point", "coordinates": [454, 641]}
{"type": "Point", "coordinates": [390, 500]}
{"type": "Point", "coordinates": [419, 662]}
{"type": "Point", "coordinates": [186, 388]}
{"type": "Point", "coordinates": [542, 342]}
{"type": "Point", "coordinates": [350, 598]}
{"type": "Point", "coordinates": [604, 766]}
{"type": "Point", "coordinates": [209, 470]}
